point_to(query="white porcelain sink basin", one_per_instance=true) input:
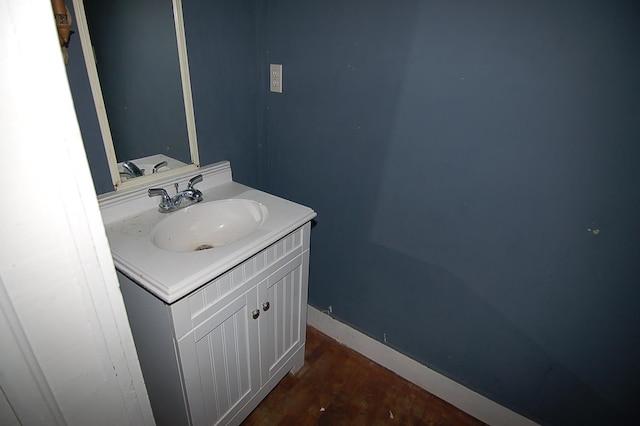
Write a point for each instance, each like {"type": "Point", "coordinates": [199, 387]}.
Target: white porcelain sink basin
{"type": "Point", "coordinates": [209, 225]}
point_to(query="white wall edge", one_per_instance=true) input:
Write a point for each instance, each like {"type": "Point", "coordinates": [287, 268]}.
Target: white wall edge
{"type": "Point", "coordinates": [68, 356]}
{"type": "Point", "coordinates": [444, 388]}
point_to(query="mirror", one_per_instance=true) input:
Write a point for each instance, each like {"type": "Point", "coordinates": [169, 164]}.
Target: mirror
{"type": "Point", "coordinates": [136, 58]}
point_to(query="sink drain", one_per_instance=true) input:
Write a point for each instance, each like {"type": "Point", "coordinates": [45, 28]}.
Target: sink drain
{"type": "Point", "coordinates": [203, 247]}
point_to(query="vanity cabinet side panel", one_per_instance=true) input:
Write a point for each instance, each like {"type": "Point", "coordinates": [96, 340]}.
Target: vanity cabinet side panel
{"type": "Point", "coordinates": [152, 329]}
{"type": "Point", "coordinates": [304, 296]}
{"type": "Point", "coordinates": [306, 236]}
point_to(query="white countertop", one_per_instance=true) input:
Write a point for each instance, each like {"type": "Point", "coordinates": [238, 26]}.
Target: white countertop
{"type": "Point", "coordinates": [129, 220]}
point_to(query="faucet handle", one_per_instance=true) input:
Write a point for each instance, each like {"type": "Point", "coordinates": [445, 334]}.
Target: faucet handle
{"type": "Point", "coordinates": [159, 165]}
{"type": "Point", "coordinates": [166, 205]}
{"type": "Point", "coordinates": [193, 181]}
{"type": "Point", "coordinates": [161, 192]}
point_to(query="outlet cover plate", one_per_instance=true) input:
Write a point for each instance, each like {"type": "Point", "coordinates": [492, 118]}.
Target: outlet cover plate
{"type": "Point", "coordinates": [275, 78]}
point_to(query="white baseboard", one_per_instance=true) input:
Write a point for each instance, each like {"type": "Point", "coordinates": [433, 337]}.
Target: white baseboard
{"type": "Point", "coordinates": [444, 388]}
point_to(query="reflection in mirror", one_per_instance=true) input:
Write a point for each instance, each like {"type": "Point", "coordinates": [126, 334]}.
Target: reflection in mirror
{"type": "Point", "coordinates": [136, 61]}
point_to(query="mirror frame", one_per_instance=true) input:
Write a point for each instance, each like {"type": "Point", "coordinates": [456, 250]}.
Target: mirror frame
{"type": "Point", "coordinates": [96, 90]}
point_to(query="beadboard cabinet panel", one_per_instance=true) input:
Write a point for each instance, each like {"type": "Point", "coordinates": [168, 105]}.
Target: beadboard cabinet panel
{"type": "Point", "coordinates": [219, 382]}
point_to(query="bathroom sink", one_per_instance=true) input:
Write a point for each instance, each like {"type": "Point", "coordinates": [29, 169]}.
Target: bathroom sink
{"type": "Point", "coordinates": [208, 225]}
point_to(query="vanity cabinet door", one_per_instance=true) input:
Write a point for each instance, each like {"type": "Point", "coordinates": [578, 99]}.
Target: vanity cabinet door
{"type": "Point", "coordinates": [218, 360]}
{"type": "Point", "coordinates": [282, 300]}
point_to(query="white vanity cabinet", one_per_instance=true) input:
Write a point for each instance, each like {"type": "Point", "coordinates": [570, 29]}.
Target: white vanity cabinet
{"type": "Point", "coordinates": [213, 355]}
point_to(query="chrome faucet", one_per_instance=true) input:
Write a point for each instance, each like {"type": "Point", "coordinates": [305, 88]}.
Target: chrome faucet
{"type": "Point", "coordinates": [170, 204]}
{"type": "Point", "coordinates": [131, 169]}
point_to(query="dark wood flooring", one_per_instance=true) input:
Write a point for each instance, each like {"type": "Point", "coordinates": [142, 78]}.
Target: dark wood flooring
{"type": "Point", "coordinates": [338, 386]}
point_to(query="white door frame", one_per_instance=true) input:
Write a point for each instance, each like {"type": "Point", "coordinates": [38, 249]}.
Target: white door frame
{"type": "Point", "coordinates": [68, 356]}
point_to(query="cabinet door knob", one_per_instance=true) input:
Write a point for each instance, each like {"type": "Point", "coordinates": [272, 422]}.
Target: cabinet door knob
{"type": "Point", "coordinates": [255, 313]}
{"type": "Point", "coordinates": [266, 306]}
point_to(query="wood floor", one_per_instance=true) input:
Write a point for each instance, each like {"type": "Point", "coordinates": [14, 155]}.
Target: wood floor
{"type": "Point", "coordinates": [338, 386]}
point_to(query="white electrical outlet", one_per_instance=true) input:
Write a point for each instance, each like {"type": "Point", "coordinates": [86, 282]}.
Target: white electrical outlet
{"type": "Point", "coordinates": [275, 78]}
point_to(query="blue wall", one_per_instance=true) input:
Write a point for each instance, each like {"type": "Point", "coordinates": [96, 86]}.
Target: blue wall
{"type": "Point", "coordinates": [223, 48]}
{"type": "Point", "coordinates": [474, 166]}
